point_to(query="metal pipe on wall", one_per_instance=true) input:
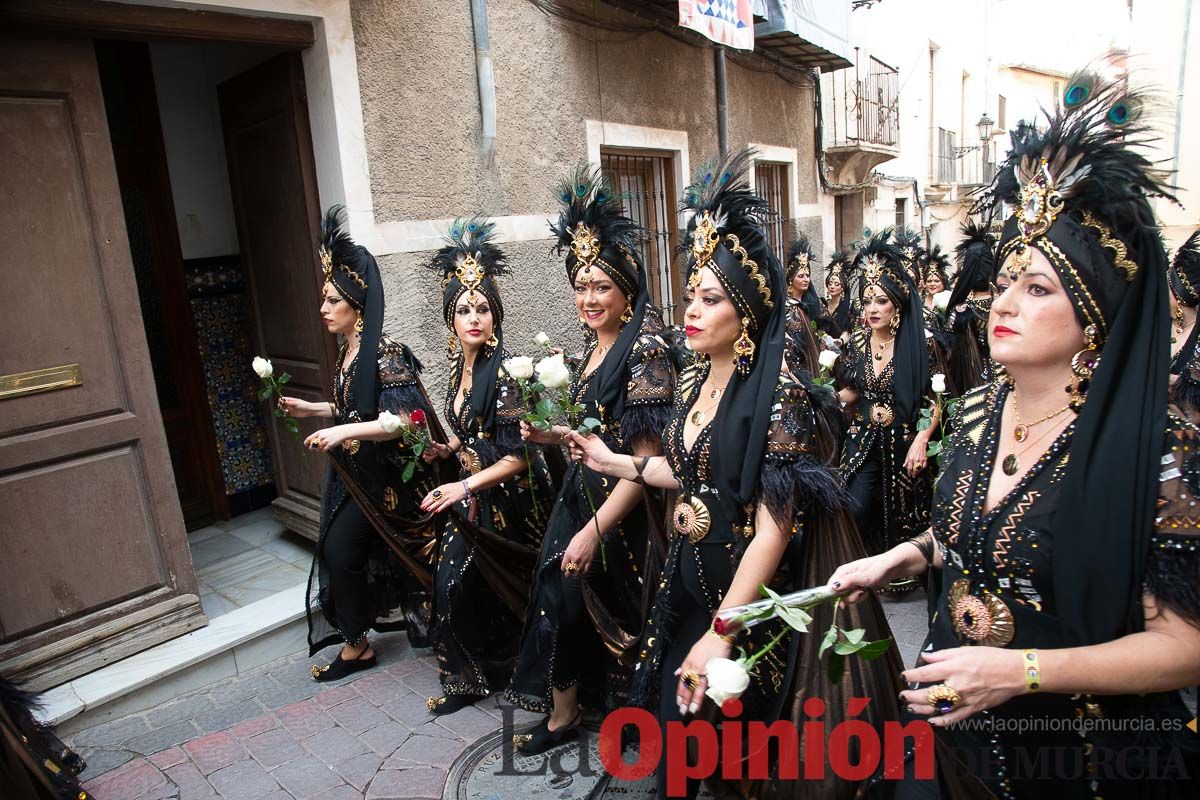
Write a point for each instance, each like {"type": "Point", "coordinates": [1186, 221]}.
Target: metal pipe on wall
{"type": "Point", "coordinates": [487, 82]}
{"type": "Point", "coordinates": [722, 101]}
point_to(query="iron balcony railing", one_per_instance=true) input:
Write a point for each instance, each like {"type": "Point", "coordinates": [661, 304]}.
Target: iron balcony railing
{"type": "Point", "coordinates": [866, 105]}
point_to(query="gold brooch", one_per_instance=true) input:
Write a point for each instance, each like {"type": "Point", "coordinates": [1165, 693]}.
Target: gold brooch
{"type": "Point", "coordinates": [432, 703]}
{"type": "Point", "coordinates": [470, 460]}
{"type": "Point", "coordinates": [882, 415]}
{"type": "Point", "coordinates": [692, 519]}
{"type": "Point", "coordinates": [316, 671]}
{"type": "Point", "coordinates": [351, 446]}
{"type": "Point", "coordinates": [1040, 199]}
{"type": "Point", "coordinates": [984, 620]}
{"type": "Point", "coordinates": [470, 273]}
{"type": "Point", "coordinates": [872, 269]}
{"type": "Point", "coordinates": [705, 238]}
{"type": "Point", "coordinates": [522, 738]}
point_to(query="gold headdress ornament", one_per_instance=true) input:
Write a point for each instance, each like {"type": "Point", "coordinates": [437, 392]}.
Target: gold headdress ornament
{"type": "Point", "coordinates": [470, 274]}
{"type": "Point", "coordinates": [327, 267]}
{"type": "Point", "coordinates": [873, 268]}
{"type": "Point", "coordinates": [586, 248]}
{"type": "Point", "coordinates": [704, 243]}
{"type": "Point", "coordinates": [801, 260]}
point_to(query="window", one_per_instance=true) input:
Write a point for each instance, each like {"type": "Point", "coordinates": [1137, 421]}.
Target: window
{"type": "Point", "coordinates": [947, 151]}
{"type": "Point", "coordinates": [645, 180]}
{"type": "Point", "coordinates": [771, 183]}
{"type": "Point", "coordinates": [1001, 115]}
{"type": "Point", "coordinates": [901, 213]}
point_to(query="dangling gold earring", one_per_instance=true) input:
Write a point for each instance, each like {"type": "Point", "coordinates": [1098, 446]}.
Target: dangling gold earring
{"type": "Point", "coordinates": [492, 341]}
{"type": "Point", "coordinates": [743, 350]}
{"type": "Point", "coordinates": [894, 324]}
{"type": "Point", "coordinates": [1083, 365]}
{"type": "Point", "coordinates": [451, 347]}
{"type": "Point", "coordinates": [358, 324]}
{"type": "Point", "coordinates": [1177, 316]}
{"type": "Point", "coordinates": [627, 314]}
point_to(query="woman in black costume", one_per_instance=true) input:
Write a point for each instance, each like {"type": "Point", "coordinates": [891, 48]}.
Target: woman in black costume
{"type": "Point", "coordinates": [969, 362]}
{"type": "Point", "coordinates": [496, 515]}
{"type": "Point", "coordinates": [1183, 280]}
{"type": "Point", "coordinates": [588, 598]}
{"type": "Point", "coordinates": [375, 550]}
{"type": "Point", "coordinates": [837, 319]}
{"type": "Point", "coordinates": [803, 309]}
{"type": "Point", "coordinates": [1068, 615]}
{"type": "Point", "coordinates": [753, 452]}
{"type": "Point", "coordinates": [885, 377]}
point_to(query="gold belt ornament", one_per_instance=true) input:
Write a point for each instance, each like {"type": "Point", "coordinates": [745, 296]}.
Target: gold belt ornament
{"type": "Point", "coordinates": [692, 519]}
{"type": "Point", "coordinates": [882, 415]}
{"type": "Point", "coordinates": [469, 460]}
{"type": "Point", "coordinates": [983, 620]}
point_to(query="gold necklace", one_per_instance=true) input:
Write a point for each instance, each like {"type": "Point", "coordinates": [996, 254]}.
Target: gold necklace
{"type": "Point", "coordinates": [880, 346]}
{"type": "Point", "coordinates": [700, 415]}
{"type": "Point", "coordinates": [1011, 464]}
{"type": "Point", "coordinates": [1021, 430]}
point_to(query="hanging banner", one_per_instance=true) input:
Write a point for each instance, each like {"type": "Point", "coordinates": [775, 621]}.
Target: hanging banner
{"type": "Point", "coordinates": [727, 22]}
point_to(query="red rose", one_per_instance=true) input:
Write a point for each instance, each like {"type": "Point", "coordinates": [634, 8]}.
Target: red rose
{"type": "Point", "coordinates": [718, 626]}
{"type": "Point", "coordinates": [418, 417]}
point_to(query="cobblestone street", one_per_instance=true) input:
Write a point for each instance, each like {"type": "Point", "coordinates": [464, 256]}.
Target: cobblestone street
{"type": "Point", "coordinates": [275, 733]}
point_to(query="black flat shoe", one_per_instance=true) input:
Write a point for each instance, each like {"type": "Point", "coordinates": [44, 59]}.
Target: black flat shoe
{"type": "Point", "coordinates": [340, 668]}
{"type": "Point", "coordinates": [448, 704]}
{"type": "Point", "coordinates": [540, 738]}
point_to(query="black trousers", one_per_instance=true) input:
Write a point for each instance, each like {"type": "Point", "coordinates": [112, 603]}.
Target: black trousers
{"type": "Point", "coordinates": [345, 553]}
{"type": "Point", "coordinates": [866, 501]}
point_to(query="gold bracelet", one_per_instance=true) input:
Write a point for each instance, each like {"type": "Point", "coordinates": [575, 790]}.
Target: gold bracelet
{"type": "Point", "coordinates": [1033, 670]}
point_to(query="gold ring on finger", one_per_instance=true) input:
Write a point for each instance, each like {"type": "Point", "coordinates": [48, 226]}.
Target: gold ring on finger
{"type": "Point", "coordinates": [691, 679]}
{"type": "Point", "coordinates": [943, 698]}
{"type": "Point", "coordinates": [570, 568]}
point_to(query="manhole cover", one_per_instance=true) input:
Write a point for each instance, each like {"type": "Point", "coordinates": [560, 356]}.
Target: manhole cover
{"type": "Point", "coordinates": [489, 771]}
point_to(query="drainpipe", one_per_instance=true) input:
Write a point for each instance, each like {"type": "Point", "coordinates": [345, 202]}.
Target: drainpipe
{"type": "Point", "coordinates": [487, 82]}
{"type": "Point", "coordinates": [722, 101]}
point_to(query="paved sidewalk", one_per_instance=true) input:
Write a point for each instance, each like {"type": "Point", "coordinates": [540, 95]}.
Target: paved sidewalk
{"type": "Point", "coordinates": [275, 734]}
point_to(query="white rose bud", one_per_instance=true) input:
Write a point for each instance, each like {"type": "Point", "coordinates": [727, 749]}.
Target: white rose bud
{"type": "Point", "coordinates": [519, 367]}
{"type": "Point", "coordinates": [941, 300]}
{"type": "Point", "coordinates": [389, 422]}
{"type": "Point", "coordinates": [542, 339]}
{"type": "Point", "coordinates": [827, 359]}
{"type": "Point", "coordinates": [939, 383]}
{"type": "Point", "coordinates": [727, 680]}
{"type": "Point", "coordinates": [262, 367]}
{"type": "Point", "coordinates": [552, 372]}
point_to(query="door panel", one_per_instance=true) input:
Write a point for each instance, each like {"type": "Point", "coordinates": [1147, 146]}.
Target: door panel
{"type": "Point", "coordinates": [96, 565]}
{"type": "Point", "coordinates": [269, 151]}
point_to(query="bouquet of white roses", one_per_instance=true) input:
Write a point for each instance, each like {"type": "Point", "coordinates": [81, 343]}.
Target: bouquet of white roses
{"type": "Point", "coordinates": [272, 386]}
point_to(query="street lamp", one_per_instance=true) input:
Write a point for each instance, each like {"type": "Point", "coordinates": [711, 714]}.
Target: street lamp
{"type": "Point", "coordinates": [985, 127]}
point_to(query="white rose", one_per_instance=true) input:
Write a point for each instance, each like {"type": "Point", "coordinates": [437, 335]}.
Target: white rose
{"type": "Point", "coordinates": [552, 372]}
{"type": "Point", "coordinates": [542, 339]}
{"type": "Point", "coordinates": [389, 422]}
{"type": "Point", "coordinates": [519, 367]}
{"type": "Point", "coordinates": [827, 359]}
{"type": "Point", "coordinates": [262, 367]}
{"type": "Point", "coordinates": [939, 383]}
{"type": "Point", "coordinates": [941, 300]}
{"type": "Point", "coordinates": [727, 679]}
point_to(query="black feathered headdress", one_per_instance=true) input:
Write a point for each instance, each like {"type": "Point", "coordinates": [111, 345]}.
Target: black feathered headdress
{"type": "Point", "coordinates": [800, 257]}
{"type": "Point", "coordinates": [911, 251]}
{"type": "Point", "coordinates": [1185, 272]}
{"type": "Point", "coordinates": [353, 272]}
{"type": "Point", "coordinates": [936, 261]}
{"type": "Point", "coordinates": [595, 233]}
{"type": "Point", "coordinates": [725, 236]}
{"type": "Point", "coordinates": [1081, 197]}
{"type": "Point", "coordinates": [976, 262]}
{"type": "Point", "coordinates": [468, 264]}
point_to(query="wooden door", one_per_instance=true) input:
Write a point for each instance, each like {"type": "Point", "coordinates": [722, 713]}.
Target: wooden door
{"type": "Point", "coordinates": [141, 161]}
{"type": "Point", "coordinates": [95, 561]}
{"type": "Point", "coordinates": [271, 170]}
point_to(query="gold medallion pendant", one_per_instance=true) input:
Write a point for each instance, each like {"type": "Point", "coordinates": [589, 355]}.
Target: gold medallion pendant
{"type": "Point", "coordinates": [882, 415]}
{"type": "Point", "coordinates": [692, 519]}
{"type": "Point", "coordinates": [983, 620]}
{"type": "Point", "coordinates": [1010, 464]}
{"type": "Point", "coordinates": [698, 418]}
{"type": "Point", "coordinates": [1021, 432]}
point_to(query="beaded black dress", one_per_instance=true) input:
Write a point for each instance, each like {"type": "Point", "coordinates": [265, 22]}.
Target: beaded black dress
{"type": "Point", "coordinates": [1185, 366]}
{"type": "Point", "coordinates": [488, 548]}
{"type": "Point", "coordinates": [996, 589]}
{"type": "Point", "coordinates": [801, 348]}
{"type": "Point", "coordinates": [401, 538]}
{"type": "Point", "coordinates": [891, 506]}
{"type": "Point", "coordinates": [701, 562]}
{"type": "Point", "coordinates": [578, 629]}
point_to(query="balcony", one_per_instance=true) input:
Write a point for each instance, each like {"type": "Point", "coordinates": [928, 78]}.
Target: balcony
{"type": "Point", "coordinates": [957, 171]}
{"type": "Point", "coordinates": [862, 120]}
